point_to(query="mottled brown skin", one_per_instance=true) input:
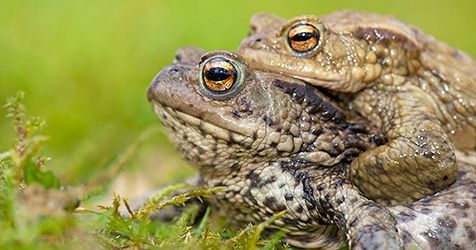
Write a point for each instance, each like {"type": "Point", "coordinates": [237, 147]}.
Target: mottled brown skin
{"type": "Point", "coordinates": [232, 148]}
{"type": "Point", "coordinates": [277, 144]}
{"type": "Point", "coordinates": [446, 220]}
{"type": "Point", "coordinates": [420, 91]}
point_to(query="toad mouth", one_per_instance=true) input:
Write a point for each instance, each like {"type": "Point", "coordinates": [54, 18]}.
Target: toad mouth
{"type": "Point", "coordinates": [165, 113]}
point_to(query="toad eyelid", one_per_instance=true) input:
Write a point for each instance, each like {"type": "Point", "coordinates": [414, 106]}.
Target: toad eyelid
{"type": "Point", "coordinates": [311, 20]}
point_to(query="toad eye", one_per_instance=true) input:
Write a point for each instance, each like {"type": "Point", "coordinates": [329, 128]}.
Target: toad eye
{"type": "Point", "coordinates": [303, 37]}
{"type": "Point", "coordinates": [218, 75]}
{"type": "Point", "coordinates": [221, 76]}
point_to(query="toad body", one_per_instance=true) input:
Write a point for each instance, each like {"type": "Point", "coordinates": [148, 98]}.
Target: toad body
{"type": "Point", "coordinates": [274, 143]}
{"type": "Point", "coordinates": [418, 90]}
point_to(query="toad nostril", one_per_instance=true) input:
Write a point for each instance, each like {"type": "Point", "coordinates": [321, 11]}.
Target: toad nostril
{"type": "Point", "coordinates": [178, 57]}
{"type": "Point", "coordinates": [174, 72]}
{"type": "Point", "coordinates": [256, 42]}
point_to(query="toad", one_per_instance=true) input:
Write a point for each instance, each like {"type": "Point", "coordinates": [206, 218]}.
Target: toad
{"type": "Point", "coordinates": [275, 143]}
{"type": "Point", "coordinates": [418, 90]}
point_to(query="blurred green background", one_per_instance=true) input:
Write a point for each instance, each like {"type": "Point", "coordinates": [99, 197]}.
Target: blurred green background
{"type": "Point", "coordinates": [86, 65]}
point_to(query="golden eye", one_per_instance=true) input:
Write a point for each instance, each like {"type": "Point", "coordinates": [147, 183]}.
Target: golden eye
{"type": "Point", "coordinates": [219, 75]}
{"type": "Point", "coordinates": [303, 37]}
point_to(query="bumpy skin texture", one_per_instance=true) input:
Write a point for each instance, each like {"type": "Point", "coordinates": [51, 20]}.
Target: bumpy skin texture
{"type": "Point", "coordinates": [446, 220]}
{"type": "Point", "coordinates": [418, 89]}
{"type": "Point", "coordinates": [278, 144]}
{"type": "Point", "coordinates": [235, 148]}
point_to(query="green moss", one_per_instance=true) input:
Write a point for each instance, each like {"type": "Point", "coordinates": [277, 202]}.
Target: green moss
{"type": "Point", "coordinates": [36, 214]}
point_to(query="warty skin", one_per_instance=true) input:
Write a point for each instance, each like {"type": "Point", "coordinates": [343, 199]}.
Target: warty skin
{"type": "Point", "coordinates": [278, 144]}
{"type": "Point", "coordinates": [418, 90]}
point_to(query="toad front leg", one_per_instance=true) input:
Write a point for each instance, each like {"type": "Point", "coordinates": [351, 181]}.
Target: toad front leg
{"type": "Point", "coordinates": [418, 159]}
{"type": "Point", "coordinates": [366, 224]}
{"type": "Point", "coordinates": [316, 200]}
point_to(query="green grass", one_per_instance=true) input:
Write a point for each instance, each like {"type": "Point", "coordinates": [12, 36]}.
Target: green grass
{"type": "Point", "coordinates": [36, 212]}
{"type": "Point", "coordinates": [86, 65]}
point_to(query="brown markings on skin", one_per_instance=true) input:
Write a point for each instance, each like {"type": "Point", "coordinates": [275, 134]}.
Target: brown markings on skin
{"type": "Point", "coordinates": [302, 176]}
{"type": "Point", "coordinates": [257, 182]}
{"type": "Point", "coordinates": [366, 235]}
{"type": "Point", "coordinates": [288, 196]}
{"type": "Point", "coordinates": [254, 179]}
{"type": "Point", "coordinates": [299, 209]}
{"type": "Point", "coordinates": [471, 233]}
{"type": "Point", "coordinates": [433, 239]}
{"type": "Point", "coordinates": [244, 108]}
{"type": "Point", "coordinates": [352, 142]}
{"type": "Point", "coordinates": [439, 75]}
{"type": "Point", "coordinates": [307, 93]}
{"type": "Point", "coordinates": [236, 114]}
{"type": "Point", "coordinates": [235, 167]}
{"type": "Point", "coordinates": [440, 236]}
{"type": "Point", "coordinates": [358, 128]}
{"type": "Point", "coordinates": [273, 204]}
{"type": "Point", "coordinates": [250, 196]}
{"type": "Point", "coordinates": [405, 217]}
{"type": "Point", "coordinates": [464, 205]}
{"type": "Point", "coordinates": [268, 120]}
{"type": "Point", "coordinates": [386, 36]}
{"type": "Point", "coordinates": [426, 211]}
{"type": "Point", "coordinates": [406, 237]}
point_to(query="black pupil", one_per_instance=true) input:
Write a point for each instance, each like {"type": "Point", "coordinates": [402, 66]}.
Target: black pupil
{"type": "Point", "coordinates": [217, 74]}
{"type": "Point", "coordinates": [304, 36]}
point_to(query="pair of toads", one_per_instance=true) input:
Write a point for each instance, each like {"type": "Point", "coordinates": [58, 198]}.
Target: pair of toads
{"type": "Point", "coordinates": [360, 126]}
